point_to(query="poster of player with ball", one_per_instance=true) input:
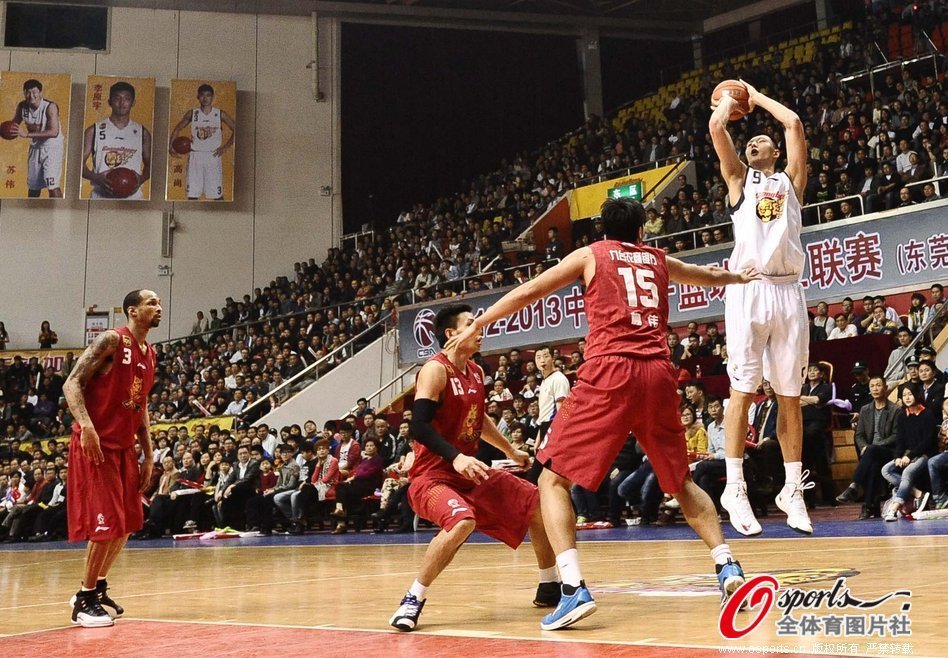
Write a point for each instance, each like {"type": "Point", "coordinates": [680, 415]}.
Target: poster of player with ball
{"type": "Point", "coordinates": [116, 140]}
{"type": "Point", "coordinates": [203, 116]}
{"type": "Point", "coordinates": [34, 120]}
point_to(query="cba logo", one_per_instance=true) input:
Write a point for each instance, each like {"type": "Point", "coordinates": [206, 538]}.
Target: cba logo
{"type": "Point", "coordinates": [423, 328]}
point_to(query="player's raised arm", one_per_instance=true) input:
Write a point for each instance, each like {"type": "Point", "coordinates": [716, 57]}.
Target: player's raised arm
{"type": "Point", "coordinates": [93, 359]}
{"type": "Point", "coordinates": [705, 275]}
{"type": "Point", "coordinates": [794, 136]}
{"type": "Point", "coordinates": [428, 388]}
{"type": "Point", "coordinates": [569, 269]}
{"type": "Point", "coordinates": [732, 169]}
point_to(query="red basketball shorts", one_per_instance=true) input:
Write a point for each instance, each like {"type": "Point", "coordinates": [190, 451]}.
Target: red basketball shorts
{"type": "Point", "coordinates": [613, 396]}
{"type": "Point", "coordinates": [501, 506]}
{"type": "Point", "coordinates": [103, 501]}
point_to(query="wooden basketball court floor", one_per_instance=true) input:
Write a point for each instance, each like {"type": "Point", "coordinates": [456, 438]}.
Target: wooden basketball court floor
{"type": "Point", "coordinates": [332, 596]}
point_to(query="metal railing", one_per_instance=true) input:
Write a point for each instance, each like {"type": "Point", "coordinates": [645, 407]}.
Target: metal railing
{"type": "Point", "coordinates": [694, 233]}
{"type": "Point", "coordinates": [398, 379]}
{"type": "Point", "coordinates": [926, 335]}
{"type": "Point", "coordinates": [831, 202]}
{"type": "Point", "coordinates": [934, 181]}
{"type": "Point", "coordinates": [312, 372]}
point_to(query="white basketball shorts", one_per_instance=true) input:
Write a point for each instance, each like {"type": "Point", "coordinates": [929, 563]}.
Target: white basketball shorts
{"type": "Point", "coordinates": [767, 337]}
{"type": "Point", "coordinates": [205, 175]}
{"type": "Point", "coordinates": [45, 166]}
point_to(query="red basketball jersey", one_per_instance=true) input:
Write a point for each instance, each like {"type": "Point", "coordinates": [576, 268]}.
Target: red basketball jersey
{"type": "Point", "coordinates": [626, 303]}
{"type": "Point", "coordinates": [116, 399]}
{"type": "Point", "coordinates": [460, 416]}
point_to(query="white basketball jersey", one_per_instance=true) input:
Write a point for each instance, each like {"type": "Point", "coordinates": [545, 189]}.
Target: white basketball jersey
{"type": "Point", "coordinates": [205, 130]}
{"type": "Point", "coordinates": [118, 147]}
{"type": "Point", "coordinates": [36, 120]}
{"type": "Point", "coordinates": [767, 222]}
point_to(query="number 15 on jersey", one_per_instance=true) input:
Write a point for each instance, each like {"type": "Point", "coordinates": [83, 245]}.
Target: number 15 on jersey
{"type": "Point", "coordinates": [640, 287]}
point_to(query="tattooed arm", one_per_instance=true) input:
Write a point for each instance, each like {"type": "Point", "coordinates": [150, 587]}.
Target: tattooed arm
{"type": "Point", "coordinates": [94, 359]}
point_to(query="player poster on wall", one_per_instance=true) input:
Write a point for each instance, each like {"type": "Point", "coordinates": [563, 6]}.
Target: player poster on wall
{"type": "Point", "coordinates": [34, 110]}
{"type": "Point", "coordinates": [116, 142]}
{"type": "Point", "coordinates": [203, 116]}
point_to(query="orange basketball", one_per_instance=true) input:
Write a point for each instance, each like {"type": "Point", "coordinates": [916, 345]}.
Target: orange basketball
{"type": "Point", "coordinates": [181, 145]}
{"type": "Point", "coordinates": [124, 182]}
{"type": "Point", "coordinates": [7, 130]}
{"type": "Point", "coordinates": [736, 90]}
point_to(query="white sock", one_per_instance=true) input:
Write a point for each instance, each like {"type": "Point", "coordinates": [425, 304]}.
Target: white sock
{"type": "Point", "coordinates": [418, 590]}
{"type": "Point", "coordinates": [549, 575]}
{"type": "Point", "coordinates": [568, 564]}
{"type": "Point", "coordinates": [721, 554]}
{"type": "Point", "coordinates": [735, 469]}
{"type": "Point", "coordinates": [794, 472]}
{"type": "Point", "coordinates": [83, 588]}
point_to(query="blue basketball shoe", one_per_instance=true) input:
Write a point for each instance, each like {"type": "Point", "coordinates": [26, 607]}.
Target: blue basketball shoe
{"type": "Point", "coordinates": [730, 578]}
{"type": "Point", "coordinates": [571, 608]}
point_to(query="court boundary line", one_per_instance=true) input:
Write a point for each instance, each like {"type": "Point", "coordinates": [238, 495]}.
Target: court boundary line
{"type": "Point", "coordinates": [406, 574]}
{"type": "Point", "coordinates": [547, 636]}
{"type": "Point", "coordinates": [492, 542]}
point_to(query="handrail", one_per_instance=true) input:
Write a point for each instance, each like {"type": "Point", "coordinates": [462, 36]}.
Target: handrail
{"type": "Point", "coordinates": [314, 367]}
{"type": "Point", "coordinates": [441, 285]}
{"type": "Point", "coordinates": [696, 231]}
{"type": "Point", "coordinates": [933, 180]}
{"type": "Point", "coordinates": [383, 387]}
{"type": "Point", "coordinates": [940, 314]}
{"type": "Point", "coordinates": [693, 232]}
{"type": "Point", "coordinates": [819, 217]}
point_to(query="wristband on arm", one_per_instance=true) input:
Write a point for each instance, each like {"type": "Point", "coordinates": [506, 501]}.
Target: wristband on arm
{"type": "Point", "coordinates": [423, 412]}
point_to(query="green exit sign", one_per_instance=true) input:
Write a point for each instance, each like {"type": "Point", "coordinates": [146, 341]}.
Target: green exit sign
{"type": "Point", "coordinates": [631, 191]}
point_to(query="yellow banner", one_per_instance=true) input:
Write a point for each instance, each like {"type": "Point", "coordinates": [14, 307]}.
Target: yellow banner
{"type": "Point", "coordinates": [47, 358]}
{"type": "Point", "coordinates": [119, 120]}
{"type": "Point", "coordinates": [223, 422]}
{"type": "Point", "coordinates": [37, 103]}
{"type": "Point", "coordinates": [586, 201]}
{"type": "Point", "coordinates": [204, 114]}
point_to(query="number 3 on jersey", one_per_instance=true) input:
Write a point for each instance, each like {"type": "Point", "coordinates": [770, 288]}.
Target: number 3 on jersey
{"type": "Point", "coordinates": [641, 289]}
{"type": "Point", "coordinates": [126, 356]}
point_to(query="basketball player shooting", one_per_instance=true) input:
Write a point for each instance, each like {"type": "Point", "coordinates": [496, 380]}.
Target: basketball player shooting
{"type": "Point", "coordinates": [767, 327]}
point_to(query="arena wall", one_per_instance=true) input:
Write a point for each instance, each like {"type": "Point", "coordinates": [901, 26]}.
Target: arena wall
{"type": "Point", "coordinates": [60, 258]}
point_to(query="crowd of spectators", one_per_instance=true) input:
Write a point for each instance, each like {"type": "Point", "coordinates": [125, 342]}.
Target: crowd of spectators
{"type": "Point", "coordinates": [302, 477]}
{"type": "Point", "coordinates": [871, 145]}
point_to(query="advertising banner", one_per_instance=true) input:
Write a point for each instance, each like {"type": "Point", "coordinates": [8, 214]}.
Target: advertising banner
{"type": "Point", "coordinates": [846, 259]}
{"type": "Point", "coordinates": [34, 137]}
{"type": "Point", "coordinates": [203, 115]}
{"type": "Point", "coordinates": [116, 143]}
